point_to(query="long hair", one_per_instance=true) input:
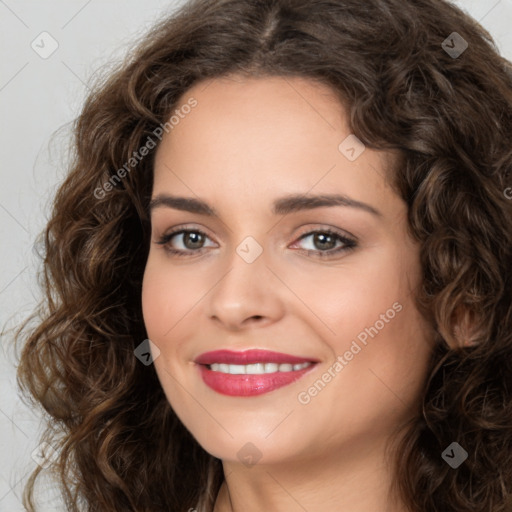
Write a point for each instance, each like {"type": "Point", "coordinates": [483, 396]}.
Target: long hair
{"type": "Point", "coordinates": [442, 101]}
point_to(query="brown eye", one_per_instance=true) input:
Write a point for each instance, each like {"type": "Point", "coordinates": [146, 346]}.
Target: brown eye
{"type": "Point", "coordinates": [326, 243]}
{"type": "Point", "coordinates": [184, 242]}
{"type": "Point", "coordinates": [193, 239]}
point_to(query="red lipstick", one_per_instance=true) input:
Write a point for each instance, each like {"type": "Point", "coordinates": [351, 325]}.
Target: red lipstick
{"type": "Point", "coordinates": [226, 371]}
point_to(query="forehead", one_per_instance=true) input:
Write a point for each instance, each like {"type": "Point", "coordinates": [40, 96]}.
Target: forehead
{"type": "Point", "coordinates": [264, 135]}
{"type": "Point", "coordinates": [271, 111]}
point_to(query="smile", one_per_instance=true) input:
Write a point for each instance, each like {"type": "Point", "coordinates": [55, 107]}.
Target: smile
{"type": "Point", "coordinates": [250, 372]}
{"type": "Point", "coordinates": [257, 368]}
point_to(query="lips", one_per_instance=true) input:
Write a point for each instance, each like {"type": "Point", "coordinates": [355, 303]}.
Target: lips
{"type": "Point", "coordinates": [250, 372]}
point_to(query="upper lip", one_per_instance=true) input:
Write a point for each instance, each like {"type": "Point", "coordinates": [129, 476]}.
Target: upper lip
{"type": "Point", "coordinates": [249, 357]}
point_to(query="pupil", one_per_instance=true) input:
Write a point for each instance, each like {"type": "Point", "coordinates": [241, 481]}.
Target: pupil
{"type": "Point", "coordinates": [321, 239]}
{"type": "Point", "coordinates": [190, 237]}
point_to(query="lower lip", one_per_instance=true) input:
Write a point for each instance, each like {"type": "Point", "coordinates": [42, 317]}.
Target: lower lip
{"type": "Point", "coordinates": [249, 385]}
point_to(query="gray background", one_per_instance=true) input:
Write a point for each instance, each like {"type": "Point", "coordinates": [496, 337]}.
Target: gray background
{"type": "Point", "coordinates": [39, 98]}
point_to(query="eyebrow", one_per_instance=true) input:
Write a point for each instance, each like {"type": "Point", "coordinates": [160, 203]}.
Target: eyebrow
{"type": "Point", "coordinates": [281, 206]}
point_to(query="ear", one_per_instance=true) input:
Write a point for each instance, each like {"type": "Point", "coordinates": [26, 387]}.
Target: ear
{"type": "Point", "coordinates": [465, 327]}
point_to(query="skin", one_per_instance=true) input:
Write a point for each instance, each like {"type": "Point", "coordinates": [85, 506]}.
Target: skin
{"type": "Point", "coordinates": [248, 142]}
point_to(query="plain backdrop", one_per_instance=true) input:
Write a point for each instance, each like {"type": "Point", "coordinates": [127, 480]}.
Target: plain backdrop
{"type": "Point", "coordinates": [39, 98]}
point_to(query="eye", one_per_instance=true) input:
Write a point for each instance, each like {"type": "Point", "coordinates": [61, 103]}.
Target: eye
{"type": "Point", "coordinates": [322, 243]}
{"type": "Point", "coordinates": [326, 243]}
{"type": "Point", "coordinates": [189, 241]}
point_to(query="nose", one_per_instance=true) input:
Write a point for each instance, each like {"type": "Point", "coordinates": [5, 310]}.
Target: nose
{"type": "Point", "coordinates": [247, 294]}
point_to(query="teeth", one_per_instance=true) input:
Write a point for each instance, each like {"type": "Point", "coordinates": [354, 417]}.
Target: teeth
{"type": "Point", "coordinates": [271, 367]}
{"type": "Point", "coordinates": [256, 368]}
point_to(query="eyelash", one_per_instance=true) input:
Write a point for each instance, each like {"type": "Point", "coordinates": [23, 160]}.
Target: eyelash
{"type": "Point", "coordinates": [349, 244]}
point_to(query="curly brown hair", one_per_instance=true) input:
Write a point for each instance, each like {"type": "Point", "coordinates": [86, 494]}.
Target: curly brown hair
{"type": "Point", "coordinates": [449, 117]}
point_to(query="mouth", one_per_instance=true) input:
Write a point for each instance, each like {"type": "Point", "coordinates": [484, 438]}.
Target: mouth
{"type": "Point", "coordinates": [256, 368]}
{"type": "Point", "coordinates": [251, 372]}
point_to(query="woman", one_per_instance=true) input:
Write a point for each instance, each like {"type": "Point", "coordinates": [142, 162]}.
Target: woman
{"type": "Point", "coordinates": [278, 274]}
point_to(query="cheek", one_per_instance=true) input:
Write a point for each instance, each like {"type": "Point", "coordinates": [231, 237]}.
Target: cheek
{"type": "Point", "coordinates": [387, 346]}
{"type": "Point", "coordinates": [155, 302]}
{"type": "Point", "coordinates": [369, 311]}
{"type": "Point", "coordinates": [167, 296]}
{"type": "Point", "coordinates": [352, 296]}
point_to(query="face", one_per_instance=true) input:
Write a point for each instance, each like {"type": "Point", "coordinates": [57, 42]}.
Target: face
{"type": "Point", "coordinates": [279, 291]}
